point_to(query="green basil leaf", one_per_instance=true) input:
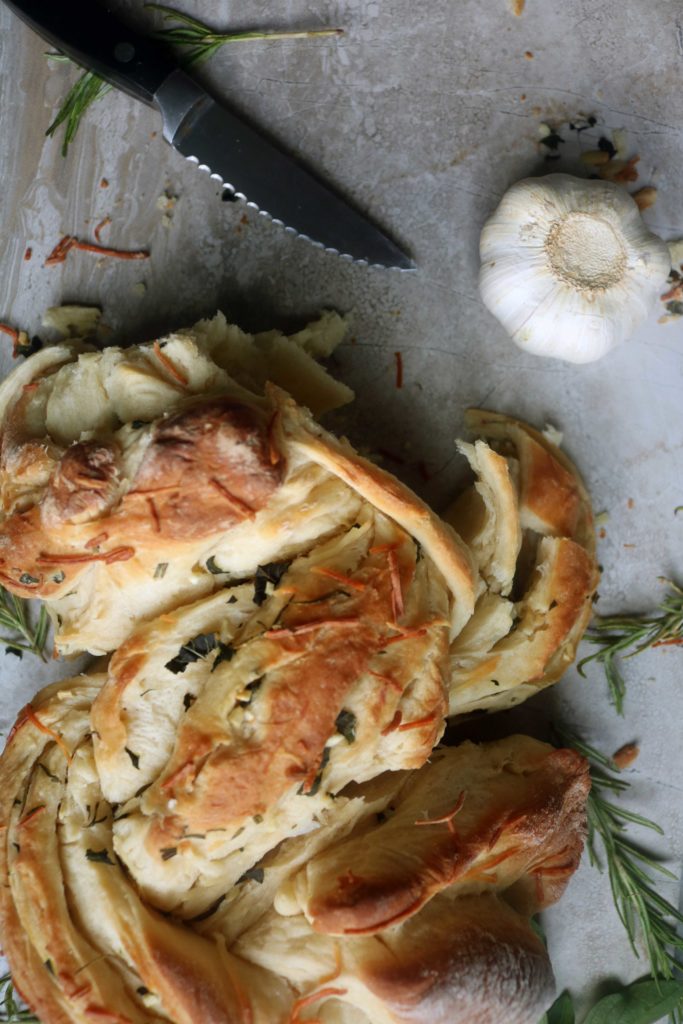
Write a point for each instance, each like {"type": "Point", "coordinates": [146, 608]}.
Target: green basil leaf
{"type": "Point", "coordinates": [562, 1010]}
{"type": "Point", "coordinates": [644, 1002]}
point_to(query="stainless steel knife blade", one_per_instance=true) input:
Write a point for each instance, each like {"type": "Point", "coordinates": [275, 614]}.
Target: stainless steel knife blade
{"type": "Point", "coordinates": [241, 158]}
{"type": "Point", "coordinates": [209, 133]}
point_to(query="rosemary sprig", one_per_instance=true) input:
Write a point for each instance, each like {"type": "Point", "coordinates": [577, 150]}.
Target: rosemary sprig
{"type": "Point", "coordinates": [15, 615]}
{"type": "Point", "coordinates": [622, 636]}
{"type": "Point", "coordinates": [645, 914]}
{"type": "Point", "coordinates": [11, 1012]}
{"type": "Point", "coordinates": [201, 42]}
{"type": "Point", "coordinates": [197, 42]}
{"type": "Point", "coordinates": [82, 94]}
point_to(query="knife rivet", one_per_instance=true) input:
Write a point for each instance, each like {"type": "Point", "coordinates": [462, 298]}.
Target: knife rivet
{"type": "Point", "coordinates": [124, 52]}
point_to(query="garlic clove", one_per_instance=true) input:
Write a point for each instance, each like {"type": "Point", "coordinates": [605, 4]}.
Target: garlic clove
{"type": "Point", "coordinates": [568, 266]}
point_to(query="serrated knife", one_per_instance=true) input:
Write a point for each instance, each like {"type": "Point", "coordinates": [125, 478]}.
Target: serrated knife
{"type": "Point", "coordinates": [208, 132]}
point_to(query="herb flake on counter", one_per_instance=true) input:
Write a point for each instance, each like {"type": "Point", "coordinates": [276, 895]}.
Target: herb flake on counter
{"type": "Point", "coordinates": [606, 145]}
{"type": "Point", "coordinates": [22, 345]}
{"type": "Point", "coordinates": [623, 636]}
{"type": "Point", "coordinates": [192, 651]}
{"type": "Point", "coordinates": [551, 140]}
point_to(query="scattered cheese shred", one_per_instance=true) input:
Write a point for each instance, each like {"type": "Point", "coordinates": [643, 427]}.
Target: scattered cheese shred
{"type": "Point", "coordinates": [169, 366]}
{"type": "Point", "coordinates": [303, 1001]}
{"type": "Point", "coordinates": [417, 723]}
{"type": "Point", "coordinates": [65, 245]}
{"type": "Point", "coordinates": [396, 591]}
{"type": "Point", "coordinates": [332, 574]}
{"type": "Point", "coordinates": [445, 819]}
{"type": "Point", "coordinates": [103, 224]}
{"type": "Point", "coordinates": [121, 554]}
{"type": "Point", "coordinates": [32, 717]}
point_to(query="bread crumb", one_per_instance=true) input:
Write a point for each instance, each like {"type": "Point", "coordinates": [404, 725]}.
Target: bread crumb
{"type": "Point", "coordinates": [167, 202]}
{"type": "Point", "coordinates": [645, 197]}
{"type": "Point", "coordinates": [626, 755]}
{"type": "Point", "coordinates": [595, 157]}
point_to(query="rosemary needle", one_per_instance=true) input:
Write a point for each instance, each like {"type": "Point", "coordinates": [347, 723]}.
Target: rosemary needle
{"type": "Point", "coordinates": [15, 615]}
{"type": "Point", "coordinates": [625, 635]}
{"type": "Point", "coordinates": [646, 916]}
{"type": "Point", "coordinates": [10, 1010]}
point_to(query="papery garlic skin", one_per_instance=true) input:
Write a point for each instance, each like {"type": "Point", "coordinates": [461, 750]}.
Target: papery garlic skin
{"type": "Point", "coordinates": [568, 266]}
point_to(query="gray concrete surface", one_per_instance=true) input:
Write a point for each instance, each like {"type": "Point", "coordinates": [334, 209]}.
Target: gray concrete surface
{"type": "Point", "coordinates": [423, 112]}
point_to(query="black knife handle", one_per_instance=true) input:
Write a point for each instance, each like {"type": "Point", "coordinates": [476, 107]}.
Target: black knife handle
{"type": "Point", "coordinates": [98, 40]}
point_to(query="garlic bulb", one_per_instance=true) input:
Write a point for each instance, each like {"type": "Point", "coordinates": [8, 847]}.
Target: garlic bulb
{"type": "Point", "coordinates": [568, 266]}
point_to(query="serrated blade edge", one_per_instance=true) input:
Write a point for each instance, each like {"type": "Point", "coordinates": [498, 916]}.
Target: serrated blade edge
{"type": "Point", "coordinates": [267, 179]}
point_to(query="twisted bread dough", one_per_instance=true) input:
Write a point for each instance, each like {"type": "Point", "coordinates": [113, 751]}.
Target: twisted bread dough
{"type": "Point", "coordinates": [243, 818]}
{"type": "Point", "coordinates": [419, 919]}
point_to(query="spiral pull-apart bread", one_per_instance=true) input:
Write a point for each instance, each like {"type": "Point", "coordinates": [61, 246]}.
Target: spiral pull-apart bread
{"type": "Point", "coordinates": [406, 900]}
{"type": "Point", "coordinates": [245, 818]}
{"type": "Point", "coordinates": [135, 480]}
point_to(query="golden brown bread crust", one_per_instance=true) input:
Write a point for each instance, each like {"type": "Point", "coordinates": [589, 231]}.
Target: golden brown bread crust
{"type": "Point", "coordinates": [518, 808]}
{"type": "Point", "coordinates": [54, 843]}
{"type": "Point", "coordinates": [230, 726]}
{"type": "Point", "coordinates": [128, 963]}
{"type": "Point", "coordinates": [553, 498]}
{"type": "Point", "coordinates": [224, 444]}
{"type": "Point", "coordinates": [102, 522]}
{"type": "Point", "coordinates": [82, 485]}
{"type": "Point", "coordinates": [513, 647]}
{"type": "Point", "coordinates": [471, 960]}
{"type": "Point", "coordinates": [354, 633]}
{"type": "Point", "coordinates": [486, 516]}
{"type": "Point", "coordinates": [216, 456]}
{"type": "Point", "coordinates": [105, 457]}
{"type": "Point", "coordinates": [387, 494]}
